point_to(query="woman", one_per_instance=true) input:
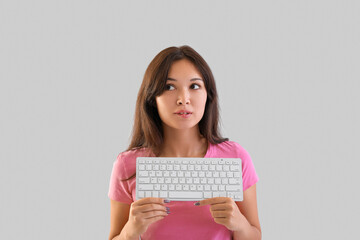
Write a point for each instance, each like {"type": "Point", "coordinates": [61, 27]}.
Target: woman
{"type": "Point", "coordinates": [177, 116]}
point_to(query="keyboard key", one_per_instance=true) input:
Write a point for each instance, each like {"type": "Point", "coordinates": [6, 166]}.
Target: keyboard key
{"type": "Point", "coordinates": [229, 174]}
{"type": "Point", "coordinates": [207, 195]}
{"type": "Point", "coordinates": [163, 194]}
{"type": "Point", "coordinates": [146, 187]}
{"type": "Point", "coordinates": [144, 180]}
{"type": "Point", "coordinates": [222, 194]}
{"type": "Point", "coordinates": [185, 194]}
{"type": "Point", "coordinates": [143, 174]}
{"type": "Point", "coordinates": [235, 168]}
{"type": "Point", "coordinates": [234, 181]}
{"type": "Point", "coordinates": [233, 188]}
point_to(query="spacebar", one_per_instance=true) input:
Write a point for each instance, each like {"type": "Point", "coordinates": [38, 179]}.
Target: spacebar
{"type": "Point", "coordinates": [185, 194]}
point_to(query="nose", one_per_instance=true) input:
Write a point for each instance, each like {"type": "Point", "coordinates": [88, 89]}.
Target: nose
{"type": "Point", "coordinates": [183, 98]}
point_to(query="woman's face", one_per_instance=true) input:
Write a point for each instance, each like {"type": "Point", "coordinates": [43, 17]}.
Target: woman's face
{"type": "Point", "coordinates": [185, 92]}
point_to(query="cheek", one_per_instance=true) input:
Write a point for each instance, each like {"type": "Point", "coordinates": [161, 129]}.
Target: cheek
{"type": "Point", "coordinates": [159, 104]}
{"type": "Point", "coordinates": [162, 104]}
{"type": "Point", "coordinates": [200, 105]}
{"type": "Point", "coordinates": [202, 101]}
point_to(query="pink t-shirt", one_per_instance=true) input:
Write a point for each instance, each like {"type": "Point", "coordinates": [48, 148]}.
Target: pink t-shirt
{"type": "Point", "coordinates": [185, 220]}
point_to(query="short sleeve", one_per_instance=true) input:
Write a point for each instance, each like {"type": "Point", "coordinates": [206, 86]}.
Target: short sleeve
{"type": "Point", "coordinates": [250, 176]}
{"type": "Point", "coordinates": [119, 190]}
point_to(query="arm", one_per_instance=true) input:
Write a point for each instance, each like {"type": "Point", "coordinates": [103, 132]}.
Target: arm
{"type": "Point", "coordinates": [119, 216]}
{"type": "Point", "coordinates": [128, 222]}
{"type": "Point", "coordinates": [250, 219]}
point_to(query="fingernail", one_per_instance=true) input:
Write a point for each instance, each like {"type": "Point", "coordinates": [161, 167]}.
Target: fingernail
{"type": "Point", "coordinates": [166, 201]}
{"type": "Point", "coordinates": [167, 208]}
{"type": "Point", "coordinates": [197, 203]}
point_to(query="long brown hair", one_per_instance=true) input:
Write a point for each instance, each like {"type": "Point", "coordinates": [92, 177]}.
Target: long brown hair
{"type": "Point", "coordinates": [147, 130]}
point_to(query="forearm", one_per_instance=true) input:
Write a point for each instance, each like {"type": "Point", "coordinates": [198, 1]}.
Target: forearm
{"type": "Point", "coordinates": [126, 234]}
{"type": "Point", "coordinates": [248, 232]}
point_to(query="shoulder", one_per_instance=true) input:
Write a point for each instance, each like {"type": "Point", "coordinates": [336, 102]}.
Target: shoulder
{"type": "Point", "coordinates": [231, 149]}
{"type": "Point", "coordinates": [125, 164]}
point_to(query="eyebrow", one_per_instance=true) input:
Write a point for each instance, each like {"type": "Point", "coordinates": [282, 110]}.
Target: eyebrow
{"type": "Point", "coordinates": [193, 79]}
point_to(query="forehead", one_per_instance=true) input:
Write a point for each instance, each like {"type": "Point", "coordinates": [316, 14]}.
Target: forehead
{"type": "Point", "coordinates": [183, 69]}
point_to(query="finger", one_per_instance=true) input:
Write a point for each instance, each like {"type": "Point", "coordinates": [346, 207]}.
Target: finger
{"type": "Point", "coordinates": [211, 201]}
{"type": "Point", "coordinates": [152, 214]}
{"type": "Point", "coordinates": [219, 214]}
{"type": "Point", "coordinates": [220, 207]}
{"type": "Point", "coordinates": [151, 207]}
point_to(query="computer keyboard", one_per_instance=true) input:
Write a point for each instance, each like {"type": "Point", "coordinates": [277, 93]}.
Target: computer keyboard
{"type": "Point", "coordinates": [188, 179]}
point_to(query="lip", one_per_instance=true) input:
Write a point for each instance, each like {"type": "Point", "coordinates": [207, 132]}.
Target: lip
{"type": "Point", "coordinates": [183, 115]}
{"type": "Point", "coordinates": [183, 111]}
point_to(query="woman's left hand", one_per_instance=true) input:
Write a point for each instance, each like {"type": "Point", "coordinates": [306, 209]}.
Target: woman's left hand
{"type": "Point", "coordinates": [225, 212]}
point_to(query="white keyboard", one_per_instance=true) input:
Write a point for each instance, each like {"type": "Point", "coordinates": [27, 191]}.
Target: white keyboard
{"type": "Point", "coordinates": [188, 179]}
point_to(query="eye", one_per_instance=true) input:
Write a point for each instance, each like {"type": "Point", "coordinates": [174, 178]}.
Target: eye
{"type": "Point", "coordinates": [195, 86]}
{"type": "Point", "coordinates": [169, 87]}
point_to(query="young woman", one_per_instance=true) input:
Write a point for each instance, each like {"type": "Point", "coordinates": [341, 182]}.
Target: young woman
{"type": "Point", "coordinates": [177, 116]}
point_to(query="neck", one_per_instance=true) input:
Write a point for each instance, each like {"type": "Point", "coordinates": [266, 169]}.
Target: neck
{"type": "Point", "coordinates": [183, 143]}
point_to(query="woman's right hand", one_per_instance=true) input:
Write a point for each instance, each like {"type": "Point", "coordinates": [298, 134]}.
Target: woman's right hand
{"type": "Point", "coordinates": [144, 212]}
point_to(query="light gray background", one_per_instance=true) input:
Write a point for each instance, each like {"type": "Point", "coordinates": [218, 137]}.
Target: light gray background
{"type": "Point", "coordinates": [287, 74]}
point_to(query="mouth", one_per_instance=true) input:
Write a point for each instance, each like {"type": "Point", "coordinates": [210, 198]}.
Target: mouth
{"type": "Point", "coordinates": [183, 114]}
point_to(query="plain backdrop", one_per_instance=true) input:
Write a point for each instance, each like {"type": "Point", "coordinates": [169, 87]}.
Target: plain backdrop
{"type": "Point", "coordinates": [287, 74]}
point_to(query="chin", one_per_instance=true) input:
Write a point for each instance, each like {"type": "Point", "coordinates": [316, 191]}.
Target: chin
{"type": "Point", "coordinates": [182, 126]}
